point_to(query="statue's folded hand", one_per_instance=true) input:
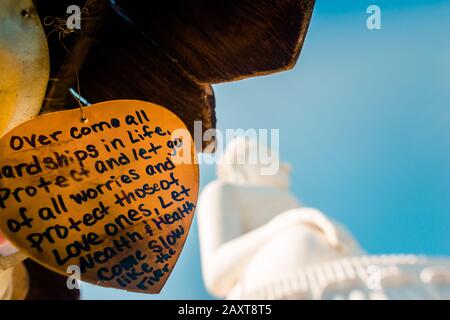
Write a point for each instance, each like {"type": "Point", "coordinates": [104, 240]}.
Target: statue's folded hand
{"type": "Point", "coordinates": [309, 217]}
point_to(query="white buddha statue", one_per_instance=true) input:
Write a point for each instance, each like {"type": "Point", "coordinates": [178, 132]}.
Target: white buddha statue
{"type": "Point", "coordinates": [258, 242]}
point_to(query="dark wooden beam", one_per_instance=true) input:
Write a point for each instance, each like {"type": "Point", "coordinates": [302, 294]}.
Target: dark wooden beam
{"type": "Point", "coordinates": [225, 40]}
{"type": "Point", "coordinates": [169, 51]}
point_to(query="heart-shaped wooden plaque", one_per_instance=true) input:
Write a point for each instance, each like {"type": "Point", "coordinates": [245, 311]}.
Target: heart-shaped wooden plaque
{"type": "Point", "coordinates": [111, 198]}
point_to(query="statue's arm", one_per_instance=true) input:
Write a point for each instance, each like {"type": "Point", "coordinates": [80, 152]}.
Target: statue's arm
{"type": "Point", "coordinates": [225, 249]}
{"type": "Point", "coordinates": [223, 268]}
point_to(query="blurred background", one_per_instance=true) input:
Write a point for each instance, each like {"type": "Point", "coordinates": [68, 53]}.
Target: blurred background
{"type": "Point", "coordinates": [364, 119]}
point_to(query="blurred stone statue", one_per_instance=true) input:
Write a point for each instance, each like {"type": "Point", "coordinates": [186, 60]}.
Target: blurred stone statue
{"type": "Point", "coordinates": [258, 242]}
{"type": "Point", "coordinates": [24, 74]}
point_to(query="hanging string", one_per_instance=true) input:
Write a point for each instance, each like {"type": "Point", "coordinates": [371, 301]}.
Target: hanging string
{"type": "Point", "coordinates": [59, 25]}
{"type": "Point", "coordinates": [78, 97]}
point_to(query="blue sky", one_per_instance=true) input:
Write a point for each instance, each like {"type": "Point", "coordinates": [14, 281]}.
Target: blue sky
{"type": "Point", "coordinates": [364, 119]}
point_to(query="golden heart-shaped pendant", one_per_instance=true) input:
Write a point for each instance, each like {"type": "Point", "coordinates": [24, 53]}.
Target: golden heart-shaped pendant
{"type": "Point", "coordinates": [111, 198]}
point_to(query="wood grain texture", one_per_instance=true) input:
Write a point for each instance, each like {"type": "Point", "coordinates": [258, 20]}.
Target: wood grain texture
{"type": "Point", "coordinates": [170, 52]}
{"type": "Point", "coordinates": [225, 40]}
{"type": "Point", "coordinates": [124, 63]}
